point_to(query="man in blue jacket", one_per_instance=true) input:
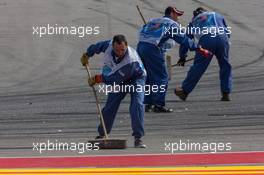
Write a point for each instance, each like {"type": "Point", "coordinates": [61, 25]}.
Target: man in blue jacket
{"type": "Point", "coordinates": [155, 38]}
{"type": "Point", "coordinates": [212, 32]}
{"type": "Point", "coordinates": [122, 66]}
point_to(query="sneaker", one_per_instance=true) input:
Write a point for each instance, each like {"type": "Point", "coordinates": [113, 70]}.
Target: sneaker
{"type": "Point", "coordinates": [139, 143]}
{"type": "Point", "coordinates": [162, 109]}
{"type": "Point", "coordinates": [149, 108]}
{"type": "Point", "coordinates": [225, 97]}
{"type": "Point", "coordinates": [180, 93]}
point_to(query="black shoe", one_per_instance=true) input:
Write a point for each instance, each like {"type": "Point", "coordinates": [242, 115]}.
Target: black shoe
{"type": "Point", "coordinates": [139, 143]}
{"type": "Point", "coordinates": [162, 109]}
{"type": "Point", "coordinates": [180, 93]}
{"type": "Point", "coordinates": [149, 108]}
{"type": "Point", "coordinates": [99, 137]}
{"type": "Point", "coordinates": [225, 97]}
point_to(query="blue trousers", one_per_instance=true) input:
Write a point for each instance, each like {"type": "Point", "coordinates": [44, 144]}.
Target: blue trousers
{"type": "Point", "coordinates": [136, 110]}
{"type": "Point", "coordinates": [154, 62]}
{"type": "Point", "coordinates": [219, 46]}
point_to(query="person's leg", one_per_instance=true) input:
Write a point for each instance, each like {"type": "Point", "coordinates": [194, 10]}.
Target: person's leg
{"type": "Point", "coordinates": [195, 73]}
{"type": "Point", "coordinates": [157, 74]}
{"type": "Point", "coordinates": [109, 111]}
{"type": "Point", "coordinates": [200, 64]}
{"type": "Point", "coordinates": [137, 113]}
{"type": "Point", "coordinates": [137, 110]}
{"type": "Point", "coordinates": [141, 49]}
{"type": "Point", "coordinates": [225, 73]}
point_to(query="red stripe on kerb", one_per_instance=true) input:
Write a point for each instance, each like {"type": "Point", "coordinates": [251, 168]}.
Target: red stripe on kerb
{"type": "Point", "coordinates": [135, 160]}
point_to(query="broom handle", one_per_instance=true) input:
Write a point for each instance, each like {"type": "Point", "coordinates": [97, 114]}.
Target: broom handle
{"type": "Point", "coordinates": [142, 17]}
{"type": "Point", "coordinates": [97, 103]}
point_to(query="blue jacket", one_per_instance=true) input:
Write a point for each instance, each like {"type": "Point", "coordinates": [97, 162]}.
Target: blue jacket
{"type": "Point", "coordinates": [125, 74]}
{"type": "Point", "coordinates": [160, 31]}
{"type": "Point", "coordinates": [209, 19]}
{"type": "Point", "coordinates": [205, 20]}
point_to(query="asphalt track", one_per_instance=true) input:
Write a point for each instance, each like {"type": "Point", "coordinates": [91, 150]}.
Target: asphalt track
{"type": "Point", "coordinates": [44, 94]}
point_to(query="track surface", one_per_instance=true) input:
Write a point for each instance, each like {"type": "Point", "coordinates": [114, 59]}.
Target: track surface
{"type": "Point", "coordinates": [44, 95]}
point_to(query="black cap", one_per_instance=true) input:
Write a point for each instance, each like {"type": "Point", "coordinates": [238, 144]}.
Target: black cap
{"type": "Point", "coordinates": [198, 11]}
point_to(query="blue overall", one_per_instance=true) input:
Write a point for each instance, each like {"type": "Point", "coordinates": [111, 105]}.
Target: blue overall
{"type": "Point", "coordinates": [132, 73]}
{"type": "Point", "coordinates": [218, 44]}
{"type": "Point", "coordinates": [155, 38]}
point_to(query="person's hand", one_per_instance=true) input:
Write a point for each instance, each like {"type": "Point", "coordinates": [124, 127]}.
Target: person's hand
{"type": "Point", "coordinates": [204, 52]}
{"type": "Point", "coordinates": [85, 59]}
{"type": "Point", "coordinates": [181, 61]}
{"type": "Point", "coordinates": [95, 80]}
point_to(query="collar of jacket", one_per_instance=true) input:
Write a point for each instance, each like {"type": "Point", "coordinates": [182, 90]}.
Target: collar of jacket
{"type": "Point", "coordinates": [119, 59]}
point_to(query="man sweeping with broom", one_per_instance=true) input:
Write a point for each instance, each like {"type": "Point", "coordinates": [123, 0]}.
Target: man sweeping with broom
{"type": "Point", "coordinates": [122, 66]}
{"type": "Point", "coordinates": [156, 37]}
{"type": "Point", "coordinates": [217, 42]}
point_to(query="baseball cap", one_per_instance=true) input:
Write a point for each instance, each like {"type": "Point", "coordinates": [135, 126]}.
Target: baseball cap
{"type": "Point", "coordinates": [170, 9]}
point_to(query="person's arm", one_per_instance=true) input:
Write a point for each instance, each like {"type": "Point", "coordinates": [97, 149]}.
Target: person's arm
{"type": "Point", "coordinates": [183, 50]}
{"type": "Point", "coordinates": [91, 50]}
{"type": "Point", "coordinates": [97, 48]}
{"type": "Point", "coordinates": [190, 30]}
{"type": "Point", "coordinates": [181, 39]}
{"type": "Point", "coordinates": [182, 54]}
{"type": "Point", "coordinates": [186, 43]}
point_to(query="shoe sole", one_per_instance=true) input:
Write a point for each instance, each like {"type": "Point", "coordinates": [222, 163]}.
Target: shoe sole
{"type": "Point", "coordinates": [180, 94]}
{"type": "Point", "coordinates": [141, 146]}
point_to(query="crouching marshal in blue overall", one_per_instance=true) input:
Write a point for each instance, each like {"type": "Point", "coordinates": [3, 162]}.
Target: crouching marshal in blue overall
{"type": "Point", "coordinates": [122, 66]}
{"type": "Point", "coordinates": [217, 42]}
